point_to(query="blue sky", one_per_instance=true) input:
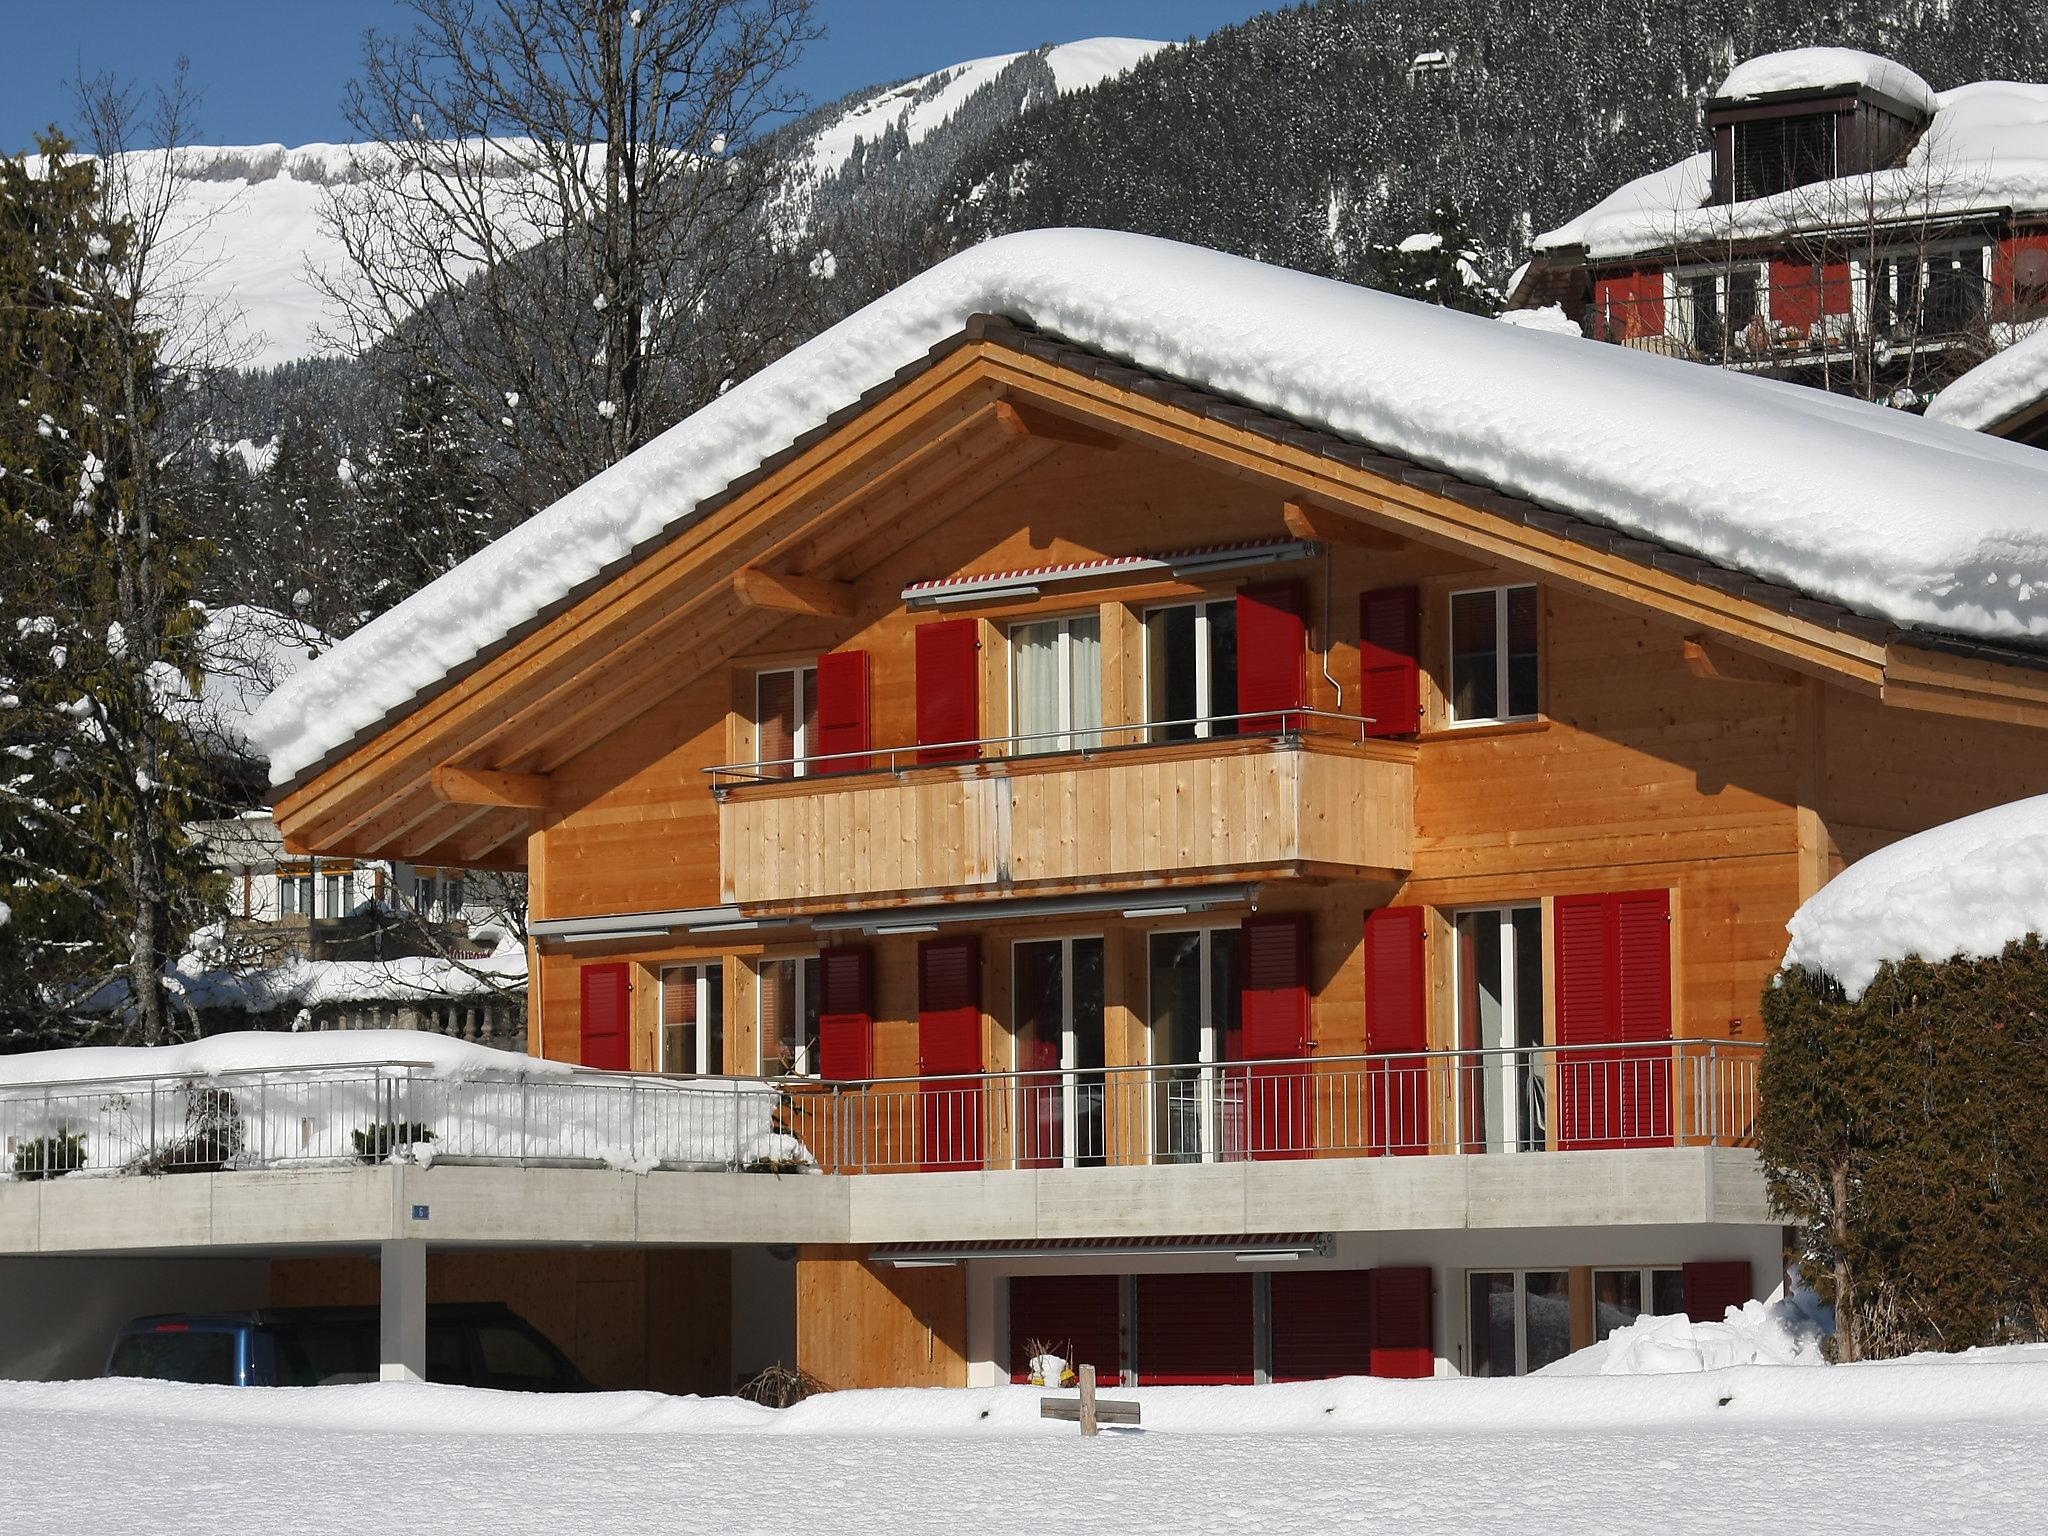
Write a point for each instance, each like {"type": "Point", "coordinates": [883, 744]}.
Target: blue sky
{"type": "Point", "coordinates": [273, 70]}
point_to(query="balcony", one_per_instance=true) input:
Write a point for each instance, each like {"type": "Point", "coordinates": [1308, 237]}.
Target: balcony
{"type": "Point", "coordinates": [1315, 798]}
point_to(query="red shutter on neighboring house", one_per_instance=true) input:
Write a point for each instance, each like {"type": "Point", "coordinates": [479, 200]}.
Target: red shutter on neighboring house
{"type": "Point", "coordinates": [1402, 1321]}
{"type": "Point", "coordinates": [1274, 1008]}
{"type": "Point", "coordinates": [1322, 1324]}
{"type": "Point", "coordinates": [1194, 1330]}
{"type": "Point", "coordinates": [1389, 660]}
{"type": "Point", "coordinates": [1712, 1288]}
{"type": "Point", "coordinates": [606, 1041]}
{"type": "Point", "coordinates": [949, 1052]}
{"type": "Point", "coordinates": [846, 1025]}
{"type": "Point", "coordinates": [843, 737]}
{"type": "Point", "coordinates": [1079, 1316]}
{"type": "Point", "coordinates": [948, 690]}
{"type": "Point", "coordinates": [1271, 656]}
{"type": "Point", "coordinates": [1613, 969]}
{"type": "Point", "coordinates": [1397, 1020]}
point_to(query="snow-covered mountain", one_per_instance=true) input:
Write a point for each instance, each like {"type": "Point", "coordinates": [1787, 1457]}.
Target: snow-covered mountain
{"type": "Point", "coordinates": [253, 233]}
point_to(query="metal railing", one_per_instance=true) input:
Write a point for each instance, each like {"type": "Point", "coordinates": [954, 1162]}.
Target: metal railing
{"type": "Point", "coordinates": [345, 1114]}
{"type": "Point", "coordinates": [1547, 1098]}
{"type": "Point", "coordinates": [1084, 741]}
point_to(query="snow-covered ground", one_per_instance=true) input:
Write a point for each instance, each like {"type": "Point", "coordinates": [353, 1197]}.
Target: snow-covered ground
{"type": "Point", "coordinates": [1912, 1447]}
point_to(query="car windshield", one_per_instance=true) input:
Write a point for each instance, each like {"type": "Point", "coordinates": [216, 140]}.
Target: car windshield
{"type": "Point", "coordinates": [195, 1355]}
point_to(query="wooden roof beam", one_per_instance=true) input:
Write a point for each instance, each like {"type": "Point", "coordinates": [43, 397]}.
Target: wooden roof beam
{"type": "Point", "coordinates": [1027, 420]}
{"type": "Point", "coordinates": [1710, 659]}
{"type": "Point", "coordinates": [1326, 525]}
{"type": "Point", "coordinates": [490, 786]}
{"type": "Point", "coordinates": [787, 593]}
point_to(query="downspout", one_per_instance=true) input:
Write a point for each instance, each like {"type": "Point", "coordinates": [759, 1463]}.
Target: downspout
{"type": "Point", "coordinates": [1339, 687]}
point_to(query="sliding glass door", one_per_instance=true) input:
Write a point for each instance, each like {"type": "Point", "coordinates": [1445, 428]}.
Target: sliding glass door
{"type": "Point", "coordinates": [1193, 1005]}
{"type": "Point", "coordinates": [1500, 1023]}
{"type": "Point", "coordinates": [1057, 1007]}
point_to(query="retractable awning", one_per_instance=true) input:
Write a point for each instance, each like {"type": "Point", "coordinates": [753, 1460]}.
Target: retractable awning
{"type": "Point", "coordinates": [1026, 581]}
{"type": "Point", "coordinates": [1250, 1247]}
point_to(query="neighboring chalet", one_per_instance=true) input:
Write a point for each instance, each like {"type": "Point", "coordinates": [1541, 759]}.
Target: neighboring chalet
{"type": "Point", "coordinates": [2005, 396]}
{"type": "Point", "coordinates": [1848, 228]}
{"type": "Point", "coordinates": [1248, 819]}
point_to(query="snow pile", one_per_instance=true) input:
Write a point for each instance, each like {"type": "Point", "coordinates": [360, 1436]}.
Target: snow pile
{"type": "Point", "coordinates": [259, 1100]}
{"type": "Point", "coordinates": [1756, 1333]}
{"type": "Point", "coordinates": [1998, 388]}
{"type": "Point", "coordinates": [1548, 318]}
{"type": "Point", "coordinates": [1967, 888]}
{"type": "Point", "coordinates": [1915, 522]}
{"type": "Point", "coordinates": [301, 983]}
{"type": "Point", "coordinates": [1819, 69]}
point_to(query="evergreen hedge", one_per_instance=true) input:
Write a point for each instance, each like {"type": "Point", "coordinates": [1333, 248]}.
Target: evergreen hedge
{"type": "Point", "coordinates": [1905, 1133]}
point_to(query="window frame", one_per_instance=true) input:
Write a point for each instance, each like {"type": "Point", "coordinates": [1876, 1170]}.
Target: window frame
{"type": "Point", "coordinates": [809, 987]}
{"type": "Point", "coordinates": [297, 890]}
{"type": "Point", "coordinates": [708, 980]}
{"type": "Point", "coordinates": [1205, 698]}
{"type": "Point", "coordinates": [1502, 677]}
{"type": "Point", "coordinates": [1065, 738]}
{"type": "Point", "coordinates": [805, 676]}
{"type": "Point", "coordinates": [1519, 1309]}
{"type": "Point", "coordinates": [1645, 1282]}
{"type": "Point", "coordinates": [1680, 319]}
{"type": "Point", "coordinates": [1073, 1078]}
{"type": "Point", "coordinates": [1515, 1135]}
{"type": "Point", "coordinates": [1212, 1042]}
{"type": "Point", "coordinates": [1860, 277]}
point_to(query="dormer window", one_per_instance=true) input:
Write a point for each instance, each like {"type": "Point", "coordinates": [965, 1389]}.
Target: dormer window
{"type": "Point", "coordinates": [1778, 154]}
{"type": "Point", "coordinates": [1810, 115]}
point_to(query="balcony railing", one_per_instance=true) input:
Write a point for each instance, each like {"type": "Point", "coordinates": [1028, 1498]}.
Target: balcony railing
{"type": "Point", "coordinates": [1550, 1098]}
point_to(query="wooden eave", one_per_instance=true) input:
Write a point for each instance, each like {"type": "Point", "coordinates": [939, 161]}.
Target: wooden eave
{"type": "Point", "coordinates": [977, 410]}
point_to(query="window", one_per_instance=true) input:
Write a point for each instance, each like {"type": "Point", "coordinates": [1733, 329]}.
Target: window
{"type": "Point", "coordinates": [693, 1019]}
{"type": "Point", "coordinates": [202, 1356]}
{"type": "Point", "coordinates": [1194, 1001]}
{"type": "Point", "coordinates": [1711, 309]}
{"type": "Point", "coordinates": [1500, 1020]}
{"type": "Point", "coordinates": [1517, 1321]}
{"type": "Point", "coordinates": [1056, 684]}
{"type": "Point", "coordinates": [1936, 293]}
{"type": "Point", "coordinates": [1619, 1295]}
{"type": "Point", "coordinates": [785, 720]}
{"type": "Point", "coordinates": [1058, 1010]}
{"type": "Point", "coordinates": [1191, 670]}
{"type": "Point", "coordinates": [295, 893]}
{"type": "Point", "coordinates": [336, 892]}
{"type": "Point", "coordinates": [789, 1017]}
{"type": "Point", "coordinates": [454, 897]}
{"type": "Point", "coordinates": [1778, 154]}
{"type": "Point", "coordinates": [1494, 655]}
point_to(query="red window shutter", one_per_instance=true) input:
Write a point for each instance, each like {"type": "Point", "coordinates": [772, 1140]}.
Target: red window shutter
{"type": "Point", "coordinates": [1712, 1288]}
{"type": "Point", "coordinates": [1613, 969]}
{"type": "Point", "coordinates": [1389, 660]}
{"type": "Point", "coordinates": [1795, 293]}
{"type": "Point", "coordinates": [1403, 1322]}
{"type": "Point", "coordinates": [948, 691]}
{"type": "Point", "coordinates": [1397, 1020]}
{"type": "Point", "coordinates": [949, 1052]}
{"type": "Point", "coordinates": [1585, 983]}
{"type": "Point", "coordinates": [846, 1024]}
{"type": "Point", "coordinates": [1271, 656]}
{"type": "Point", "coordinates": [1322, 1324]}
{"type": "Point", "coordinates": [843, 737]}
{"type": "Point", "coordinates": [1194, 1329]}
{"type": "Point", "coordinates": [606, 1042]}
{"type": "Point", "coordinates": [1275, 987]}
{"type": "Point", "coordinates": [1642, 966]}
{"type": "Point", "coordinates": [1080, 1316]}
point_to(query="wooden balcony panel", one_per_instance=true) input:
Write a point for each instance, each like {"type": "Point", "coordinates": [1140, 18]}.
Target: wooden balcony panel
{"type": "Point", "coordinates": [1151, 815]}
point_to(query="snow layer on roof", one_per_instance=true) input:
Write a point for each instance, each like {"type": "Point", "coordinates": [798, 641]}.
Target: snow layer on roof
{"type": "Point", "coordinates": [1998, 388]}
{"type": "Point", "coordinates": [247, 652]}
{"type": "Point", "coordinates": [1813, 69]}
{"type": "Point", "coordinates": [257, 1051]}
{"type": "Point", "coordinates": [1986, 148]}
{"type": "Point", "coordinates": [1549, 318]}
{"type": "Point", "coordinates": [1967, 888]}
{"type": "Point", "coordinates": [1913, 521]}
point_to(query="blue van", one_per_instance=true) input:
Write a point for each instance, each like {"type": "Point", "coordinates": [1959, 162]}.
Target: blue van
{"type": "Point", "coordinates": [469, 1344]}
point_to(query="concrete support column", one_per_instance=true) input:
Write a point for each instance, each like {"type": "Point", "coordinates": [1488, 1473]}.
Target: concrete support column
{"type": "Point", "coordinates": [402, 1310]}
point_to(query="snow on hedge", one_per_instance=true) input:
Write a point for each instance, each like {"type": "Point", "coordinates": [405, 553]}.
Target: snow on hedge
{"type": "Point", "coordinates": [2001, 386]}
{"type": "Point", "coordinates": [260, 1099]}
{"type": "Point", "coordinates": [1818, 69]}
{"type": "Point", "coordinates": [1756, 1333]}
{"type": "Point", "coordinates": [1967, 888]}
{"type": "Point", "coordinates": [1915, 522]}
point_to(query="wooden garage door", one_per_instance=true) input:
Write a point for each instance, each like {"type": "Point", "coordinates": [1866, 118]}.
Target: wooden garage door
{"type": "Point", "coordinates": [1194, 1329]}
{"type": "Point", "coordinates": [1322, 1324]}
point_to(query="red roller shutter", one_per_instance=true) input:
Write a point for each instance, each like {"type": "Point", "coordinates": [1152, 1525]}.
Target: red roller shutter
{"type": "Point", "coordinates": [843, 735]}
{"type": "Point", "coordinates": [606, 1040]}
{"type": "Point", "coordinates": [1194, 1330]}
{"type": "Point", "coordinates": [1402, 1322]}
{"type": "Point", "coordinates": [1080, 1316]}
{"type": "Point", "coordinates": [846, 1025]}
{"type": "Point", "coordinates": [1613, 968]}
{"type": "Point", "coordinates": [1322, 1324]}
{"type": "Point", "coordinates": [949, 1052]}
{"type": "Point", "coordinates": [1397, 1021]}
{"type": "Point", "coordinates": [1389, 661]}
{"type": "Point", "coordinates": [1274, 1010]}
{"type": "Point", "coordinates": [1712, 1288]}
{"type": "Point", "coordinates": [948, 691]}
{"type": "Point", "coordinates": [1271, 656]}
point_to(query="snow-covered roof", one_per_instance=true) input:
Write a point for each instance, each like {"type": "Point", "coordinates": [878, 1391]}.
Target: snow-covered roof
{"type": "Point", "coordinates": [247, 651]}
{"type": "Point", "coordinates": [263, 1050]}
{"type": "Point", "coordinates": [1908, 521]}
{"type": "Point", "coordinates": [1987, 148]}
{"type": "Point", "coordinates": [1998, 388]}
{"type": "Point", "coordinates": [1821, 69]}
{"type": "Point", "coordinates": [1968, 888]}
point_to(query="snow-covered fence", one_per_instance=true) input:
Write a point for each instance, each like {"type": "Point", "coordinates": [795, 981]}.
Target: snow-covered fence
{"type": "Point", "coordinates": [353, 1112]}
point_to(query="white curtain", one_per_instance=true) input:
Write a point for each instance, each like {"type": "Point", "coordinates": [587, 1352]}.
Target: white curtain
{"type": "Point", "coordinates": [1035, 685]}
{"type": "Point", "coordinates": [1085, 673]}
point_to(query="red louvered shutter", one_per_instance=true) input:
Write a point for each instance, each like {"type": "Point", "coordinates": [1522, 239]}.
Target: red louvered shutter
{"type": "Point", "coordinates": [1712, 1288]}
{"type": "Point", "coordinates": [1194, 1330]}
{"type": "Point", "coordinates": [948, 691]}
{"type": "Point", "coordinates": [1274, 1009]}
{"type": "Point", "coordinates": [1390, 661]}
{"type": "Point", "coordinates": [846, 1025]}
{"type": "Point", "coordinates": [1642, 1011]}
{"type": "Point", "coordinates": [1080, 1316]}
{"type": "Point", "coordinates": [1402, 1322]}
{"type": "Point", "coordinates": [606, 1041]}
{"type": "Point", "coordinates": [1271, 657]}
{"type": "Point", "coordinates": [1396, 1022]}
{"type": "Point", "coordinates": [843, 737]}
{"type": "Point", "coordinates": [949, 1052]}
{"type": "Point", "coordinates": [1322, 1324]}
{"type": "Point", "coordinates": [1613, 968]}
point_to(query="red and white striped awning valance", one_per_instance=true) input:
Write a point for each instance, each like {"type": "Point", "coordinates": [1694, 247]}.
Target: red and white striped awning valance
{"type": "Point", "coordinates": [1023, 579]}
